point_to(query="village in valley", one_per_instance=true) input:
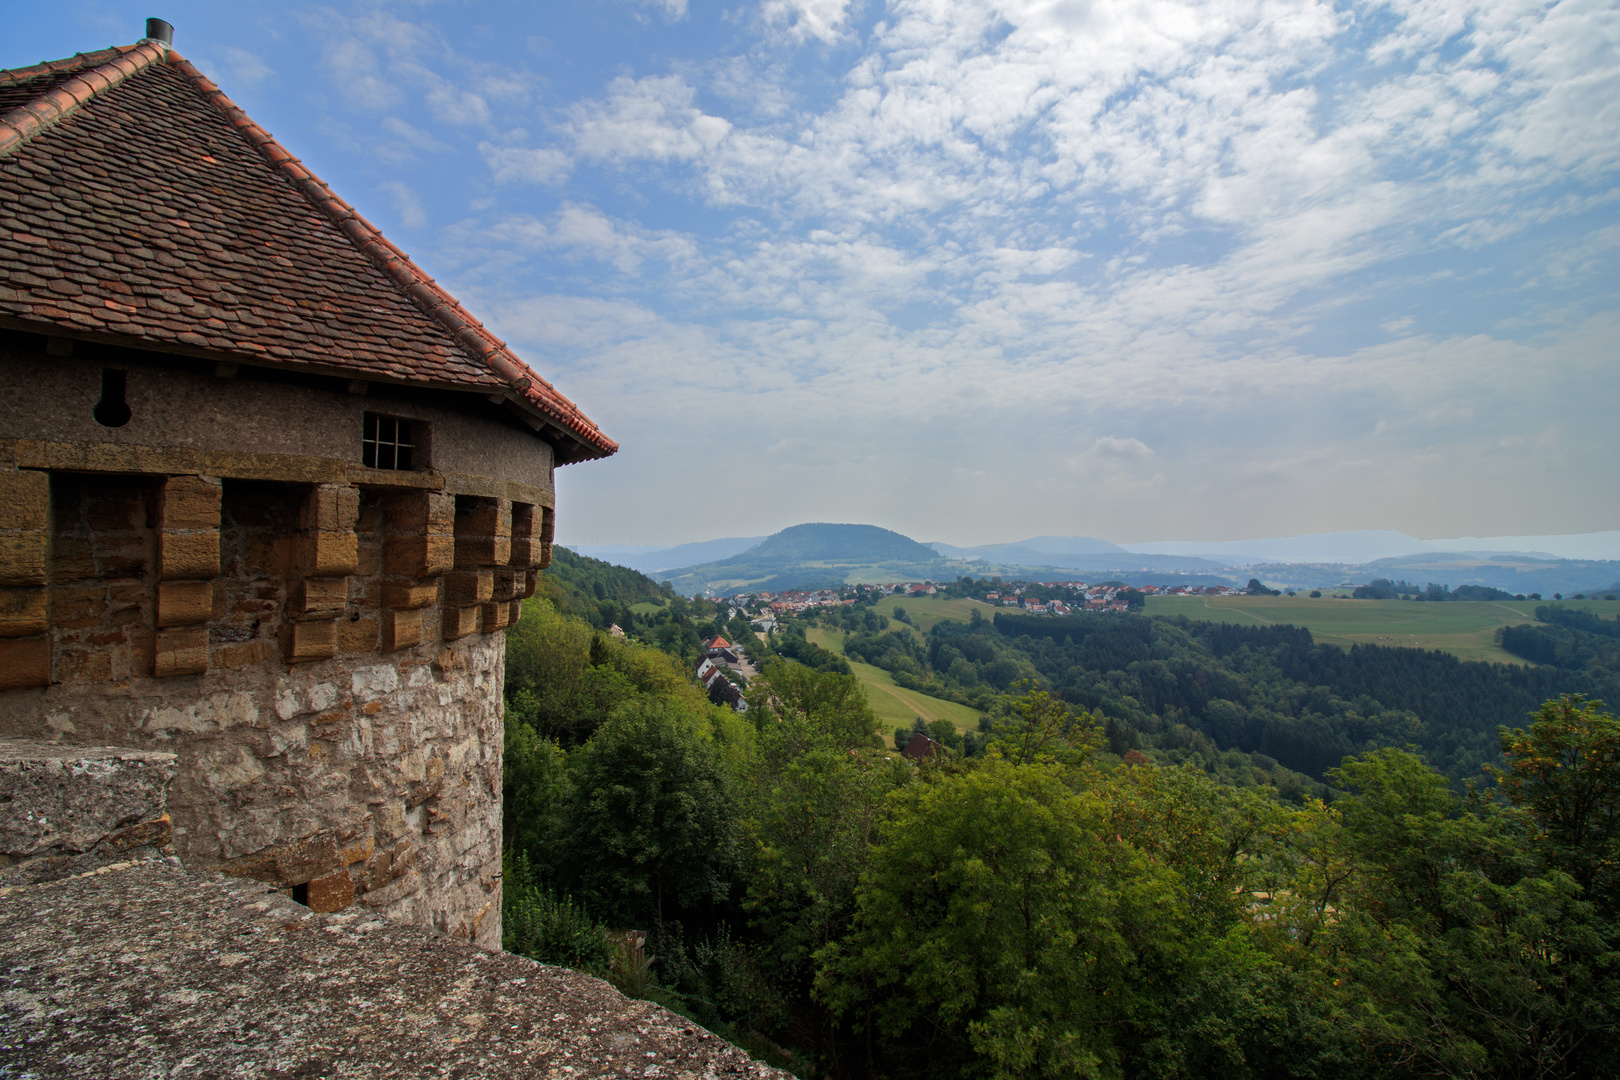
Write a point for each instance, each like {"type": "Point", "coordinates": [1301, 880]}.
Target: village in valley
{"type": "Point", "coordinates": [1035, 598]}
{"type": "Point", "coordinates": [723, 661]}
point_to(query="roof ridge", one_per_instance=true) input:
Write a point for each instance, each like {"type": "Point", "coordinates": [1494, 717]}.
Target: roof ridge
{"type": "Point", "coordinates": [59, 102]}
{"type": "Point", "coordinates": [422, 290]}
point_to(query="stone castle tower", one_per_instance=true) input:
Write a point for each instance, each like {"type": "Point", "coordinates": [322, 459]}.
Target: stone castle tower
{"type": "Point", "coordinates": [268, 495]}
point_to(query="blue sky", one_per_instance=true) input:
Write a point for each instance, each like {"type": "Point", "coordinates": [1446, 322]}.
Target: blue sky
{"type": "Point", "coordinates": [977, 271]}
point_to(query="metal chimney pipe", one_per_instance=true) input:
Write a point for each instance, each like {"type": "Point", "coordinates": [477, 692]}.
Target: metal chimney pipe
{"type": "Point", "coordinates": [159, 31]}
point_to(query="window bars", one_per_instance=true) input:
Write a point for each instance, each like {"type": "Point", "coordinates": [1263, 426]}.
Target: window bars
{"type": "Point", "coordinates": [386, 443]}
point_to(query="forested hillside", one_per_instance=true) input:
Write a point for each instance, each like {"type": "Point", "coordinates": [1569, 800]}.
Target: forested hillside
{"type": "Point", "coordinates": [1051, 907]}
{"type": "Point", "coordinates": [1266, 690]}
{"type": "Point", "coordinates": [599, 592]}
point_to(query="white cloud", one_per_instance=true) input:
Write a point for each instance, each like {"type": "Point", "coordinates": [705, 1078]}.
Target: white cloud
{"type": "Point", "coordinates": [1128, 449]}
{"type": "Point", "coordinates": [652, 118]}
{"type": "Point", "coordinates": [406, 204]}
{"type": "Point", "coordinates": [799, 20]}
{"type": "Point", "coordinates": [512, 164]}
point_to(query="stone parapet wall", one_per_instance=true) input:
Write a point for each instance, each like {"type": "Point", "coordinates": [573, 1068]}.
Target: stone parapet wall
{"type": "Point", "coordinates": [368, 779]}
{"type": "Point", "coordinates": [148, 970]}
{"type": "Point", "coordinates": [69, 809]}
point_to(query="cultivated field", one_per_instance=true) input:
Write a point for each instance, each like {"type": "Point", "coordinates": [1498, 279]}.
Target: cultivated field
{"type": "Point", "coordinates": [895, 705]}
{"type": "Point", "coordinates": [1465, 629]}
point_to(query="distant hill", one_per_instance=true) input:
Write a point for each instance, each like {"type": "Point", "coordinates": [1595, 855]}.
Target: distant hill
{"type": "Point", "coordinates": [818, 554]}
{"type": "Point", "coordinates": [842, 543]}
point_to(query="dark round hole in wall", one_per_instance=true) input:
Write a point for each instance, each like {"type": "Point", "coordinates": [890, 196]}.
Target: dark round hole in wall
{"type": "Point", "coordinates": [112, 410]}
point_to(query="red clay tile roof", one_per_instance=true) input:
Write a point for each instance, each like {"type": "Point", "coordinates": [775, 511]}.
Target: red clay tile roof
{"type": "Point", "coordinates": [138, 201]}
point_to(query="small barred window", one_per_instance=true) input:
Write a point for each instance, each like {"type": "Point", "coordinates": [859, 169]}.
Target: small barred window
{"type": "Point", "coordinates": [386, 443]}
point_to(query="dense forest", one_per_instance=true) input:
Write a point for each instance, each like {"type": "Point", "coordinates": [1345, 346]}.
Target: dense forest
{"type": "Point", "coordinates": [1063, 898]}
{"type": "Point", "coordinates": [1268, 691]}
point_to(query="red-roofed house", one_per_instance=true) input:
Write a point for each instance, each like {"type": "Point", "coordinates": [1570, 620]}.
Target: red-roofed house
{"type": "Point", "coordinates": [268, 494]}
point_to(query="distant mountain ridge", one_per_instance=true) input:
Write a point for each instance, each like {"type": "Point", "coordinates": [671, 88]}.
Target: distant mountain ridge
{"type": "Point", "coordinates": [821, 553]}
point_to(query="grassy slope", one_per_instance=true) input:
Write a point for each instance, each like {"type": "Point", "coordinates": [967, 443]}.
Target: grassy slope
{"type": "Point", "coordinates": [1464, 629]}
{"type": "Point", "coordinates": [895, 705]}
{"type": "Point", "coordinates": [925, 611]}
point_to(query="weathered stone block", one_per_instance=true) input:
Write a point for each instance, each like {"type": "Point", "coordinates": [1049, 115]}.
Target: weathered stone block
{"type": "Point", "coordinates": [531, 581]}
{"type": "Point", "coordinates": [515, 612]}
{"type": "Point", "coordinates": [188, 555]}
{"type": "Point", "coordinates": [418, 556]}
{"type": "Point", "coordinates": [331, 892]}
{"type": "Point", "coordinates": [321, 597]}
{"type": "Point", "coordinates": [305, 860]}
{"type": "Point", "coordinates": [22, 558]}
{"type": "Point", "coordinates": [483, 532]}
{"type": "Point", "coordinates": [316, 640]}
{"type": "Point", "coordinates": [545, 556]}
{"type": "Point", "coordinates": [464, 587]}
{"type": "Point", "coordinates": [25, 500]}
{"type": "Point", "coordinates": [484, 517]}
{"type": "Point", "coordinates": [401, 629]}
{"type": "Point", "coordinates": [181, 652]}
{"type": "Point", "coordinates": [184, 603]}
{"type": "Point", "coordinates": [331, 554]}
{"type": "Point", "coordinates": [414, 595]}
{"type": "Point", "coordinates": [191, 502]}
{"type": "Point", "coordinates": [24, 662]}
{"type": "Point", "coordinates": [475, 551]}
{"type": "Point", "coordinates": [358, 850]}
{"type": "Point", "coordinates": [24, 612]}
{"type": "Point", "coordinates": [525, 552]}
{"type": "Point", "coordinates": [357, 636]}
{"type": "Point", "coordinates": [459, 622]}
{"type": "Point", "coordinates": [494, 617]}
{"type": "Point", "coordinates": [420, 512]}
{"type": "Point", "coordinates": [331, 508]}
{"type": "Point", "coordinates": [526, 521]}
{"type": "Point", "coordinates": [506, 583]}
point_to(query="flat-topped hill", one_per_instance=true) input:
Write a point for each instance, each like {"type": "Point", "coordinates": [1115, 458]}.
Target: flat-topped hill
{"type": "Point", "coordinates": [820, 542]}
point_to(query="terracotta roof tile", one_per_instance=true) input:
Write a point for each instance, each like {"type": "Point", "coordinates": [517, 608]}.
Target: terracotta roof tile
{"type": "Point", "coordinates": [140, 200]}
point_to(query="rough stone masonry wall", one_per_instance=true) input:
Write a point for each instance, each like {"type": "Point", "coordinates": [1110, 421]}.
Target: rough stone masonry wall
{"type": "Point", "coordinates": [324, 661]}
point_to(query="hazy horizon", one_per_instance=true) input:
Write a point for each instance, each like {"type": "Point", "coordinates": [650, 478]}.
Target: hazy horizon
{"type": "Point", "coordinates": [1598, 545]}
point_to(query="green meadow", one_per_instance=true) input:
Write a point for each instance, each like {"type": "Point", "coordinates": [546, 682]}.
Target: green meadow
{"type": "Point", "coordinates": [1466, 629]}
{"type": "Point", "coordinates": [895, 705]}
{"type": "Point", "coordinates": [925, 611]}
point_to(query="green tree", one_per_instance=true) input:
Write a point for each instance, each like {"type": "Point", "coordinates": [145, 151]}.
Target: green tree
{"type": "Point", "coordinates": [1565, 771]}
{"type": "Point", "coordinates": [995, 926]}
{"type": "Point", "coordinates": [1451, 951]}
{"type": "Point", "coordinates": [823, 704]}
{"type": "Point", "coordinates": [1040, 728]}
{"type": "Point", "coordinates": [533, 792]}
{"type": "Point", "coordinates": [651, 826]}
